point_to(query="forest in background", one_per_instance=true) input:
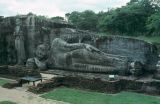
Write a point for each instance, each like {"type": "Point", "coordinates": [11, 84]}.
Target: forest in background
{"type": "Point", "coordinates": [138, 17]}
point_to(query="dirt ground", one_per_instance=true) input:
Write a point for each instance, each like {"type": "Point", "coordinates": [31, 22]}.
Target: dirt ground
{"type": "Point", "coordinates": [20, 95]}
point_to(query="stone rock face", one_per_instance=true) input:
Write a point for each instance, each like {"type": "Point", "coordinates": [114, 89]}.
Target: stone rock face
{"type": "Point", "coordinates": [43, 44]}
{"type": "Point", "coordinates": [135, 50]}
{"type": "Point", "coordinates": [18, 71]}
{"type": "Point", "coordinates": [100, 84]}
{"type": "Point", "coordinates": [19, 42]}
{"type": "Point", "coordinates": [7, 51]}
{"type": "Point", "coordinates": [20, 35]}
{"type": "Point", "coordinates": [157, 74]}
{"type": "Point", "coordinates": [158, 65]}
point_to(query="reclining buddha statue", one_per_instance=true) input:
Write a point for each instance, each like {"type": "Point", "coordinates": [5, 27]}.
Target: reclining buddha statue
{"type": "Point", "coordinates": [84, 57]}
{"type": "Point", "coordinates": [78, 57]}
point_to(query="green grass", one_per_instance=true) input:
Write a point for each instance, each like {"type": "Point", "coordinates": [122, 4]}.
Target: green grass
{"type": "Point", "coordinates": [152, 39]}
{"type": "Point", "coordinates": [155, 39]}
{"type": "Point", "coordinates": [7, 102]}
{"type": "Point", "coordinates": [2, 82]}
{"type": "Point", "coordinates": [74, 96]}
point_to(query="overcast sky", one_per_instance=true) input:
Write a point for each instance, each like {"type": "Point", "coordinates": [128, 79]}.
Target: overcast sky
{"type": "Point", "coordinates": [55, 7]}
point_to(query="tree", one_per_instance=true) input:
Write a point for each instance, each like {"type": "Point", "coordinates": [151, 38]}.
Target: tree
{"type": "Point", "coordinates": [127, 20]}
{"type": "Point", "coordinates": [57, 19]}
{"type": "Point", "coordinates": [130, 19]}
{"type": "Point", "coordinates": [153, 24]}
{"type": "Point", "coordinates": [74, 17]}
{"type": "Point", "coordinates": [86, 20]}
{"type": "Point", "coordinates": [89, 20]}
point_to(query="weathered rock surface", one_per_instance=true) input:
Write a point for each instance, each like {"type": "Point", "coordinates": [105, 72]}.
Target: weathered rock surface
{"type": "Point", "coordinates": [44, 44]}
{"type": "Point", "coordinates": [20, 35]}
{"type": "Point", "coordinates": [135, 50]}
{"type": "Point", "coordinates": [17, 71]}
{"type": "Point", "coordinates": [34, 31]}
{"type": "Point", "coordinates": [7, 51]}
{"type": "Point", "coordinates": [157, 74]}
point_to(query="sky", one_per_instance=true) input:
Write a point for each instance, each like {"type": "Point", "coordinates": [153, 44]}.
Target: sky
{"type": "Point", "coordinates": [53, 8]}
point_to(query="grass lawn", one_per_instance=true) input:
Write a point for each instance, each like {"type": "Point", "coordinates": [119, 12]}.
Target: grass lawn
{"type": "Point", "coordinates": [2, 82]}
{"type": "Point", "coordinates": [152, 39]}
{"type": "Point", "coordinates": [7, 102]}
{"type": "Point", "coordinates": [155, 39]}
{"type": "Point", "coordinates": [74, 96]}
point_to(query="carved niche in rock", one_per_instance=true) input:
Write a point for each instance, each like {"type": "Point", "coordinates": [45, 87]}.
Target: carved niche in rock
{"type": "Point", "coordinates": [19, 42]}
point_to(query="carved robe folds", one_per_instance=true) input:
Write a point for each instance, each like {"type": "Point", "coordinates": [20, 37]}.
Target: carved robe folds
{"type": "Point", "coordinates": [84, 57]}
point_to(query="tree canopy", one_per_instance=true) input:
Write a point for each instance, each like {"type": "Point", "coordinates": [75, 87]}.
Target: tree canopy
{"type": "Point", "coordinates": [86, 20]}
{"type": "Point", "coordinates": [137, 17]}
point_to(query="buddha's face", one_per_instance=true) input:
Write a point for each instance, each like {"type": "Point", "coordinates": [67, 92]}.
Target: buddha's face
{"type": "Point", "coordinates": [31, 63]}
{"type": "Point", "coordinates": [41, 52]}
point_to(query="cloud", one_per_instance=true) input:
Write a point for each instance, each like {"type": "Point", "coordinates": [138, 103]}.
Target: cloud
{"type": "Point", "coordinates": [36, 6]}
{"type": "Point", "coordinates": [55, 7]}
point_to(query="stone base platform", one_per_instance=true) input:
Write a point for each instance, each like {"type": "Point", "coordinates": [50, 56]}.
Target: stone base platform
{"type": "Point", "coordinates": [98, 82]}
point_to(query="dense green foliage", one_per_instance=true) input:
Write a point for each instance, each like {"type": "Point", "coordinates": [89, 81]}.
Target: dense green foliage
{"type": "Point", "coordinates": [7, 102]}
{"type": "Point", "coordinates": [138, 17]}
{"type": "Point", "coordinates": [57, 19]}
{"type": "Point", "coordinates": [86, 20]}
{"type": "Point", "coordinates": [85, 97]}
{"type": "Point", "coordinates": [153, 24]}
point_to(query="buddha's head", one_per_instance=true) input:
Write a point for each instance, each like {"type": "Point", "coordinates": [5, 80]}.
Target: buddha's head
{"type": "Point", "coordinates": [31, 63]}
{"type": "Point", "coordinates": [42, 52]}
